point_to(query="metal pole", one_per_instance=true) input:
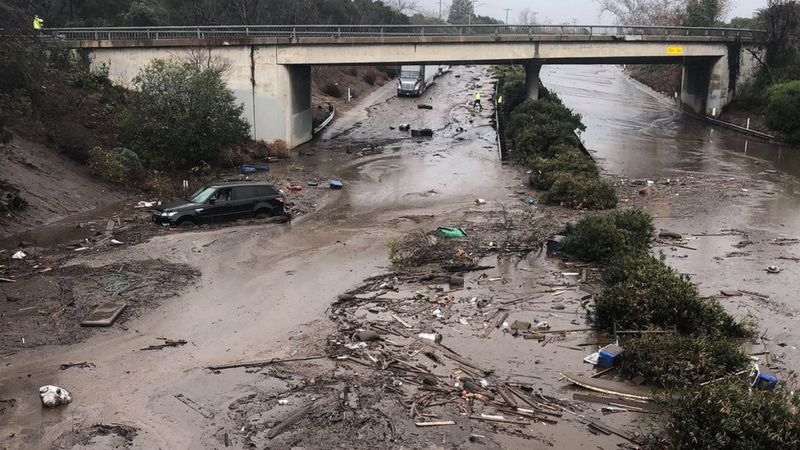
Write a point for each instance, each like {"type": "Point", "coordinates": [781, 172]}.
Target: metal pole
{"type": "Point", "coordinates": [507, 10]}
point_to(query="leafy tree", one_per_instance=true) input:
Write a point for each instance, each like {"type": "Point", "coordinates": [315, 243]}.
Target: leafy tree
{"type": "Point", "coordinates": [702, 13]}
{"type": "Point", "coordinates": [181, 115]}
{"type": "Point", "coordinates": [461, 11]}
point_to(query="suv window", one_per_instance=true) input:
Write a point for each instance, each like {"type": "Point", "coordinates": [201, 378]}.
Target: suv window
{"type": "Point", "coordinates": [244, 192]}
{"type": "Point", "coordinates": [265, 191]}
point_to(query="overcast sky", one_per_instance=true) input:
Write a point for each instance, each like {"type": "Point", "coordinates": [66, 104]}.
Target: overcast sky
{"type": "Point", "coordinates": [586, 12]}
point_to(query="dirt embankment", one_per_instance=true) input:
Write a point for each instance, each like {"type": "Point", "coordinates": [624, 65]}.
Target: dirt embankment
{"type": "Point", "coordinates": [51, 185]}
{"type": "Point", "coordinates": [329, 86]}
{"type": "Point", "coordinates": [663, 78]}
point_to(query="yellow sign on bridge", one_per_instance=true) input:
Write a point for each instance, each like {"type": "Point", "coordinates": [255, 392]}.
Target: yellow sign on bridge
{"type": "Point", "coordinates": [674, 50]}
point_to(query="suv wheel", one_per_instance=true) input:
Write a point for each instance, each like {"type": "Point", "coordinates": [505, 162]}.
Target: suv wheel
{"type": "Point", "coordinates": [263, 213]}
{"type": "Point", "coordinates": [186, 222]}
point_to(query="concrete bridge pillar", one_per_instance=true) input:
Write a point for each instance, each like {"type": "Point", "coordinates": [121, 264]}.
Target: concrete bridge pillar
{"type": "Point", "coordinates": [705, 86]}
{"type": "Point", "coordinates": [532, 69]}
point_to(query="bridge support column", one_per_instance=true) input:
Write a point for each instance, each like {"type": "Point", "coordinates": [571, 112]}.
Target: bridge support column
{"type": "Point", "coordinates": [705, 86]}
{"type": "Point", "coordinates": [280, 98]}
{"type": "Point", "coordinates": [532, 69]}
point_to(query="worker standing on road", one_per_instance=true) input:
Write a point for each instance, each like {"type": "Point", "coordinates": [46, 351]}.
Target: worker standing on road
{"type": "Point", "coordinates": [477, 103]}
{"type": "Point", "coordinates": [38, 24]}
{"type": "Point", "coordinates": [500, 102]}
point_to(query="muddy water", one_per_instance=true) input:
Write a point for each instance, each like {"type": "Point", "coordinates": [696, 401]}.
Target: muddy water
{"type": "Point", "coordinates": [737, 183]}
{"type": "Point", "coordinates": [265, 289]}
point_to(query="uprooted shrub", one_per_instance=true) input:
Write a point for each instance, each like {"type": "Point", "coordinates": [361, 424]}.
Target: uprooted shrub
{"type": "Point", "coordinates": [729, 415]}
{"type": "Point", "coordinates": [567, 160]}
{"type": "Point", "coordinates": [537, 127]}
{"type": "Point", "coordinates": [671, 360]}
{"type": "Point", "coordinates": [652, 295]}
{"type": "Point", "coordinates": [603, 236]}
{"type": "Point", "coordinates": [580, 192]}
{"type": "Point", "coordinates": [418, 249]}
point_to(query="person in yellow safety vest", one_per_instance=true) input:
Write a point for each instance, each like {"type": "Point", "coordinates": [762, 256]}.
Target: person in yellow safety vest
{"type": "Point", "coordinates": [38, 23]}
{"type": "Point", "coordinates": [478, 100]}
{"type": "Point", "coordinates": [500, 101]}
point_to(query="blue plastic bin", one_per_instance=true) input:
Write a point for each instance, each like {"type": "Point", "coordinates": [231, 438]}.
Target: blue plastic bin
{"type": "Point", "coordinates": [608, 356]}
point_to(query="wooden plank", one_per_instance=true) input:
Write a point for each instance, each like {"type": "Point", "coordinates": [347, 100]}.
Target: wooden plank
{"type": "Point", "coordinates": [616, 400]}
{"type": "Point", "coordinates": [609, 386]}
{"type": "Point", "coordinates": [294, 417]}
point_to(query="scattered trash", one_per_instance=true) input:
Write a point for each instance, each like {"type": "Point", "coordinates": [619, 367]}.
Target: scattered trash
{"type": "Point", "coordinates": [335, 184]}
{"type": "Point", "coordinates": [313, 183]}
{"type": "Point", "coordinates": [7, 280]}
{"type": "Point", "coordinates": [455, 282]}
{"type": "Point", "coordinates": [404, 127]}
{"type": "Point", "coordinates": [554, 243]}
{"type": "Point", "coordinates": [424, 106]}
{"type": "Point", "coordinates": [764, 380]}
{"type": "Point", "coordinates": [435, 337]}
{"type": "Point", "coordinates": [435, 424]}
{"type": "Point", "coordinates": [356, 345]}
{"type": "Point", "coordinates": [774, 269]}
{"type": "Point", "coordinates": [613, 409]}
{"type": "Point", "coordinates": [167, 343]}
{"type": "Point", "coordinates": [198, 408]}
{"type": "Point", "coordinates": [424, 132]}
{"type": "Point", "coordinates": [116, 242]}
{"type": "Point", "coordinates": [144, 204]}
{"type": "Point", "coordinates": [367, 336]}
{"type": "Point", "coordinates": [729, 293]}
{"type": "Point", "coordinates": [262, 167]}
{"type": "Point", "coordinates": [295, 187]}
{"type": "Point", "coordinates": [531, 201]}
{"type": "Point", "coordinates": [246, 169]}
{"type": "Point", "coordinates": [19, 255]}
{"type": "Point", "coordinates": [608, 356]}
{"type": "Point", "coordinates": [669, 235]}
{"type": "Point", "coordinates": [80, 365]}
{"type": "Point", "coordinates": [609, 386]}
{"type": "Point", "coordinates": [104, 315]}
{"type": "Point", "coordinates": [53, 396]}
{"type": "Point", "coordinates": [450, 233]}
{"type": "Point", "coordinates": [480, 201]}
{"type": "Point", "coordinates": [283, 402]}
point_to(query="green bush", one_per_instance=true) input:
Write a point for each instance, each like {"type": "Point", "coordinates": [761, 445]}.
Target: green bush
{"type": "Point", "coordinates": [567, 160]}
{"type": "Point", "coordinates": [729, 415]}
{"type": "Point", "coordinates": [119, 165]}
{"type": "Point", "coordinates": [579, 192]}
{"type": "Point", "coordinates": [537, 126]}
{"type": "Point", "coordinates": [652, 295]}
{"type": "Point", "coordinates": [602, 237]}
{"type": "Point", "coordinates": [182, 114]}
{"type": "Point", "coordinates": [672, 360]}
{"type": "Point", "coordinates": [783, 109]}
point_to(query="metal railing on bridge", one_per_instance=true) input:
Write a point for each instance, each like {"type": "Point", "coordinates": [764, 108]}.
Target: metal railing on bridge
{"type": "Point", "coordinates": [339, 31]}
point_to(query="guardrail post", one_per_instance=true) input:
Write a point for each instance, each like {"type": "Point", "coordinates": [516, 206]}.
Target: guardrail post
{"type": "Point", "coordinates": [198, 32]}
{"type": "Point", "coordinates": [381, 31]}
{"type": "Point", "coordinates": [294, 33]}
{"type": "Point", "coordinates": [339, 32]}
{"type": "Point", "coordinates": [591, 32]}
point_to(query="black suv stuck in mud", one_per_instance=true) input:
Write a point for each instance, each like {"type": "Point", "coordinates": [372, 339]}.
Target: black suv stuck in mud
{"type": "Point", "coordinates": [223, 201]}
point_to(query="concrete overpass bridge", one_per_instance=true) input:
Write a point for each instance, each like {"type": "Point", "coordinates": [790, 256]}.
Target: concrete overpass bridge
{"type": "Point", "coordinates": [271, 65]}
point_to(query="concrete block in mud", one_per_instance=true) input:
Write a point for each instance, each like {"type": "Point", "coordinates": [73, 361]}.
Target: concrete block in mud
{"type": "Point", "coordinates": [104, 315]}
{"type": "Point", "coordinates": [53, 396]}
{"type": "Point", "coordinates": [455, 282]}
{"type": "Point", "coordinates": [367, 336]}
{"type": "Point", "coordinates": [424, 106]}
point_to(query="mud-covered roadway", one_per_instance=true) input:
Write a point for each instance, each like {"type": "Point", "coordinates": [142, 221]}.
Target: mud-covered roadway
{"type": "Point", "coordinates": [266, 291]}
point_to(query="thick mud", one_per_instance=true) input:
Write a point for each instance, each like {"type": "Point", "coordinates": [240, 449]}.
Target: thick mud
{"type": "Point", "coordinates": [269, 290]}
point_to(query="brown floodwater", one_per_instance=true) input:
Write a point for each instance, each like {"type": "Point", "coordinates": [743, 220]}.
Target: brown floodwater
{"type": "Point", "coordinates": [737, 183]}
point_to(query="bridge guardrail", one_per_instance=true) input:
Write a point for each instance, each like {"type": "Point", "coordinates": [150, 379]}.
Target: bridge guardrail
{"type": "Point", "coordinates": [336, 31]}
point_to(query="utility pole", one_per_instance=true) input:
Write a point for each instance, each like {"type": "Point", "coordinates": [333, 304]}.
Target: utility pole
{"type": "Point", "coordinates": [440, 9]}
{"type": "Point", "coordinates": [507, 10]}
